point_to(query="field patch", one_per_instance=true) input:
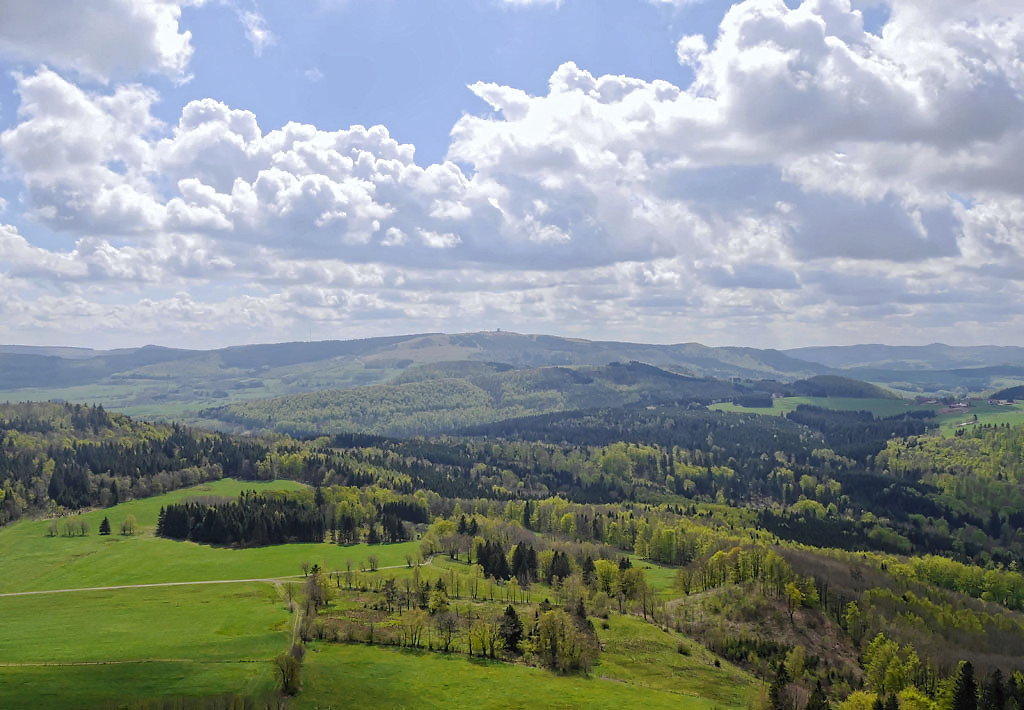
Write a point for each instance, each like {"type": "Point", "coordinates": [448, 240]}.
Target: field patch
{"type": "Point", "coordinates": [785, 405]}
{"type": "Point", "coordinates": [111, 685]}
{"type": "Point", "coordinates": [93, 648]}
{"type": "Point", "coordinates": [33, 561]}
{"type": "Point", "coordinates": [197, 622]}
{"type": "Point", "coordinates": [342, 676]}
{"type": "Point", "coordinates": [992, 414]}
{"type": "Point", "coordinates": [640, 653]}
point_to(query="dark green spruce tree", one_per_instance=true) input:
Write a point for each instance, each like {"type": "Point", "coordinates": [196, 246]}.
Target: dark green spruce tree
{"type": "Point", "coordinates": [778, 695]}
{"type": "Point", "coordinates": [965, 688]}
{"type": "Point", "coordinates": [818, 699]}
{"type": "Point", "coordinates": [993, 692]}
{"type": "Point", "coordinates": [511, 630]}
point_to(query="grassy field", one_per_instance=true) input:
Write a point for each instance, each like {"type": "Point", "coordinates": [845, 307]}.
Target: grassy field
{"type": "Point", "coordinates": [33, 561]}
{"type": "Point", "coordinates": [111, 685]}
{"type": "Point", "coordinates": [948, 423]}
{"type": "Point", "coordinates": [85, 649]}
{"type": "Point", "coordinates": [643, 655]}
{"type": "Point", "coordinates": [661, 577]}
{"type": "Point", "coordinates": [376, 677]}
{"type": "Point", "coordinates": [987, 414]}
{"type": "Point", "coordinates": [784, 405]}
{"type": "Point", "coordinates": [203, 622]}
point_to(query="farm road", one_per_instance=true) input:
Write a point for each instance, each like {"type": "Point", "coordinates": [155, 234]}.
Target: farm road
{"type": "Point", "coordinates": [270, 580]}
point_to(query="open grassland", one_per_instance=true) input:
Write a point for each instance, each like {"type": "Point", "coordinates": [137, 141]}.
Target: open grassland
{"type": "Point", "coordinates": [344, 676]}
{"type": "Point", "coordinates": [661, 577]}
{"type": "Point", "coordinates": [201, 622]}
{"type": "Point", "coordinates": [111, 396]}
{"type": "Point", "coordinates": [33, 561]}
{"type": "Point", "coordinates": [86, 649]}
{"type": "Point", "coordinates": [643, 655]}
{"type": "Point", "coordinates": [114, 685]}
{"type": "Point", "coordinates": [91, 648]}
{"type": "Point", "coordinates": [784, 405]}
{"type": "Point", "coordinates": [994, 414]}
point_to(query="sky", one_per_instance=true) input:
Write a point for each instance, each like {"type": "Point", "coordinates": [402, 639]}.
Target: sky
{"type": "Point", "coordinates": [767, 173]}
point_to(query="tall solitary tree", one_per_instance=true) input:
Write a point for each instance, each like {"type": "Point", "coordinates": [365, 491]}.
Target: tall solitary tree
{"type": "Point", "coordinates": [105, 526]}
{"type": "Point", "coordinates": [511, 630]}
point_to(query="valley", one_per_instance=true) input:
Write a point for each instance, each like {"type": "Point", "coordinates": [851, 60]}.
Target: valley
{"type": "Point", "coordinates": [599, 532]}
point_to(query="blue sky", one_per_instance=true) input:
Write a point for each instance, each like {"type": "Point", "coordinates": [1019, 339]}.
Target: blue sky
{"type": "Point", "coordinates": [759, 172]}
{"type": "Point", "coordinates": [406, 65]}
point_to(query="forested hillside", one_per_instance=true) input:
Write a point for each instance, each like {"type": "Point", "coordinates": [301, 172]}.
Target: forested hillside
{"type": "Point", "coordinates": [428, 401]}
{"type": "Point", "coordinates": [73, 456]}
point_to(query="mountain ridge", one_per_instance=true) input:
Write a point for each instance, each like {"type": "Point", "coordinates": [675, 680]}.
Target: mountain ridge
{"type": "Point", "coordinates": [160, 381]}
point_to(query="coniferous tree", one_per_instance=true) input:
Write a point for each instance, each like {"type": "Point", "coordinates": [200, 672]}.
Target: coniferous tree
{"type": "Point", "coordinates": [993, 692]}
{"type": "Point", "coordinates": [817, 700]}
{"type": "Point", "coordinates": [589, 570]}
{"type": "Point", "coordinates": [965, 688]}
{"type": "Point", "coordinates": [778, 698]}
{"type": "Point", "coordinates": [511, 629]}
{"type": "Point", "coordinates": [105, 526]}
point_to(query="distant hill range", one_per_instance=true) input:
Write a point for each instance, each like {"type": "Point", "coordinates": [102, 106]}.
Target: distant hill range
{"type": "Point", "coordinates": [158, 381]}
{"type": "Point", "coordinates": [295, 367]}
{"type": "Point", "coordinates": [910, 357]}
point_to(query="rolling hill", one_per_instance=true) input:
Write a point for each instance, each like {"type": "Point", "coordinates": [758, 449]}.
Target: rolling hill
{"type": "Point", "coordinates": [161, 382]}
{"type": "Point", "coordinates": [156, 381]}
{"type": "Point", "coordinates": [430, 400]}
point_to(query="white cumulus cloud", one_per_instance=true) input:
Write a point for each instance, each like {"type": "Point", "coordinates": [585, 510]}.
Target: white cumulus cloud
{"type": "Point", "coordinates": [813, 175]}
{"type": "Point", "coordinates": [102, 39]}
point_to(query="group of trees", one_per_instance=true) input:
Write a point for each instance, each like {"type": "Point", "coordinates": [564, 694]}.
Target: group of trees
{"type": "Point", "coordinates": [251, 520]}
{"type": "Point", "coordinates": [896, 679]}
{"type": "Point", "coordinates": [417, 613]}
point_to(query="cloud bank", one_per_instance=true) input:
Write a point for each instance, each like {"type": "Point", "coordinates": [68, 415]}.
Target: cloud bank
{"type": "Point", "coordinates": [816, 181]}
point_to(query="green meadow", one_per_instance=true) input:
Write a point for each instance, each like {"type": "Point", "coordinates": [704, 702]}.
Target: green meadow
{"type": "Point", "coordinates": [33, 561]}
{"type": "Point", "coordinates": [198, 622]}
{"type": "Point", "coordinates": [384, 678]}
{"type": "Point", "coordinates": [784, 405]}
{"type": "Point", "coordinates": [97, 648]}
{"type": "Point", "coordinates": [104, 686]}
{"type": "Point", "coordinates": [661, 577]}
{"type": "Point", "coordinates": [644, 655]}
{"type": "Point", "coordinates": [993, 414]}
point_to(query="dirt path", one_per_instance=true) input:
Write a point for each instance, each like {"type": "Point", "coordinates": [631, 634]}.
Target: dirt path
{"type": "Point", "coordinates": [269, 580]}
{"type": "Point", "coordinates": [147, 586]}
{"type": "Point", "coordinates": [130, 661]}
